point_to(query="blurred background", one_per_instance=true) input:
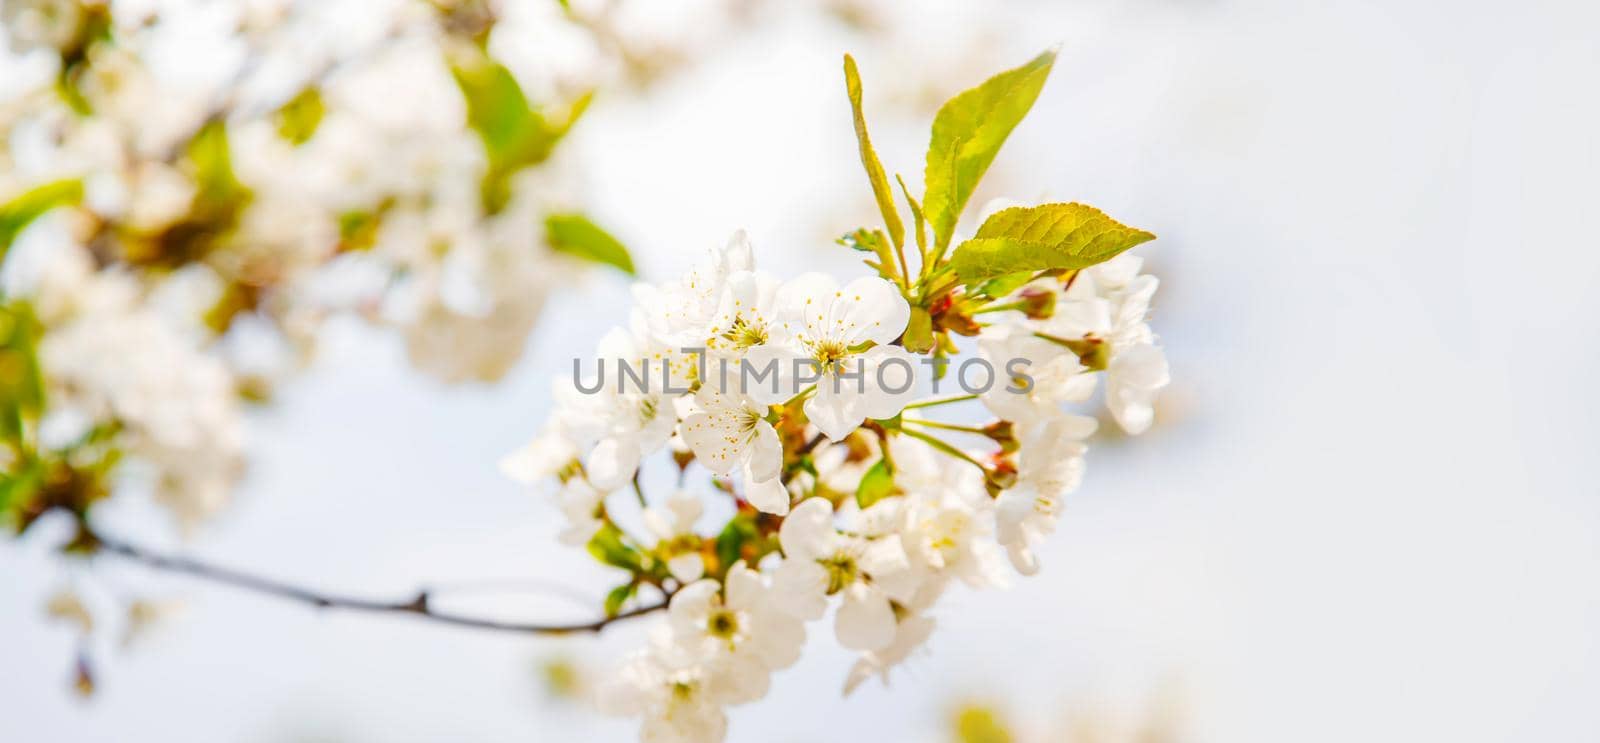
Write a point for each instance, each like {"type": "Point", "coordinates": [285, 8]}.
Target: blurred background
{"type": "Point", "coordinates": [1368, 510]}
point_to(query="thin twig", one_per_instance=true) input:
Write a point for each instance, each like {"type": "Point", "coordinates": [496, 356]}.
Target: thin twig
{"type": "Point", "coordinates": [417, 606]}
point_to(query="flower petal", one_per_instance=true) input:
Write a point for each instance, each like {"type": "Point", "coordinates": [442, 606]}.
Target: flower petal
{"type": "Point", "coordinates": [806, 532]}
{"type": "Point", "coordinates": [872, 309]}
{"type": "Point", "coordinates": [865, 620]}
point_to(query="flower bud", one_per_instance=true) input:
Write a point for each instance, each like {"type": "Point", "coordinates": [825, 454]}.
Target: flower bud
{"type": "Point", "coordinates": [1037, 303]}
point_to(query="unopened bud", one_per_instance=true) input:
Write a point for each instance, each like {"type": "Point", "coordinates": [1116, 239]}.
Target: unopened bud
{"type": "Point", "coordinates": [1037, 303]}
{"type": "Point", "coordinates": [1001, 433]}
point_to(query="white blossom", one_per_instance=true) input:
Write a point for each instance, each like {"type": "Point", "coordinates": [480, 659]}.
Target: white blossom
{"type": "Point", "coordinates": [673, 527]}
{"type": "Point", "coordinates": [841, 336]}
{"type": "Point", "coordinates": [862, 566]}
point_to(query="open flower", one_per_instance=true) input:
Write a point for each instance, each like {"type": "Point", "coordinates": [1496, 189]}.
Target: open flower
{"type": "Point", "coordinates": [746, 313]}
{"type": "Point", "coordinates": [737, 623]}
{"type": "Point", "coordinates": [580, 503]}
{"type": "Point", "coordinates": [867, 567]}
{"type": "Point", "coordinates": [677, 541]}
{"type": "Point", "coordinates": [837, 338]}
{"type": "Point", "coordinates": [946, 524]}
{"type": "Point", "coordinates": [681, 310]}
{"type": "Point", "coordinates": [1054, 375]}
{"type": "Point", "coordinates": [626, 421]}
{"type": "Point", "coordinates": [1050, 465]}
{"type": "Point", "coordinates": [679, 696]}
{"type": "Point", "coordinates": [1133, 380]}
{"type": "Point", "coordinates": [732, 430]}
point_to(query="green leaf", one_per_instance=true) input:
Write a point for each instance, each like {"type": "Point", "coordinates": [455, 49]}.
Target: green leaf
{"type": "Point", "coordinates": [1039, 238]}
{"type": "Point", "coordinates": [619, 596]}
{"type": "Point", "coordinates": [21, 383]}
{"type": "Point", "coordinates": [876, 243]}
{"type": "Point", "coordinates": [218, 193]}
{"type": "Point", "coordinates": [730, 542]}
{"type": "Point", "coordinates": [606, 546]}
{"type": "Point", "coordinates": [869, 157]}
{"type": "Point", "coordinates": [299, 117]}
{"type": "Point", "coordinates": [19, 212]}
{"type": "Point", "coordinates": [576, 235]}
{"type": "Point", "coordinates": [876, 484]}
{"type": "Point", "coordinates": [968, 132]}
{"type": "Point", "coordinates": [1000, 286]}
{"type": "Point", "coordinates": [514, 134]}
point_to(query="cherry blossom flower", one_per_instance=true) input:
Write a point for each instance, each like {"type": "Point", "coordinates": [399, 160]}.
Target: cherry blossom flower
{"type": "Point", "coordinates": [738, 622]}
{"type": "Point", "coordinates": [841, 334]}
{"type": "Point", "coordinates": [863, 567]}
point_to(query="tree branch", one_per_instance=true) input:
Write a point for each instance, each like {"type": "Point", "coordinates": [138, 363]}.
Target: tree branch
{"type": "Point", "coordinates": [417, 606]}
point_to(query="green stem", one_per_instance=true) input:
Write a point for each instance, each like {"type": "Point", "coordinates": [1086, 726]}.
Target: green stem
{"type": "Point", "coordinates": [639, 491]}
{"type": "Point", "coordinates": [946, 426]}
{"type": "Point", "coordinates": [999, 308]}
{"type": "Point", "coordinates": [946, 448]}
{"type": "Point", "coordinates": [941, 401]}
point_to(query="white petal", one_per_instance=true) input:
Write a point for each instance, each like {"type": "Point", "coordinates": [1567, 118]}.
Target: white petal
{"type": "Point", "coordinates": [800, 587]}
{"type": "Point", "coordinates": [803, 301]}
{"type": "Point", "coordinates": [806, 533]}
{"type": "Point", "coordinates": [714, 438]}
{"type": "Point", "coordinates": [865, 620]}
{"type": "Point", "coordinates": [739, 679]}
{"type": "Point", "coordinates": [778, 639]}
{"type": "Point", "coordinates": [685, 509]}
{"type": "Point", "coordinates": [687, 567]}
{"type": "Point", "coordinates": [613, 462]}
{"type": "Point", "coordinates": [766, 452]}
{"type": "Point", "coordinates": [1022, 558]}
{"type": "Point", "coordinates": [743, 588]}
{"type": "Point", "coordinates": [873, 310]}
{"type": "Point", "coordinates": [899, 380]}
{"type": "Point", "coordinates": [768, 496]}
{"type": "Point", "coordinates": [772, 388]}
{"type": "Point", "coordinates": [834, 413]}
{"type": "Point", "coordinates": [690, 606]}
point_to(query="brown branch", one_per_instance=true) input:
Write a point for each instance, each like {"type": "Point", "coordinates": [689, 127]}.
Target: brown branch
{"type": "Point", "coordinates": [417, 606]}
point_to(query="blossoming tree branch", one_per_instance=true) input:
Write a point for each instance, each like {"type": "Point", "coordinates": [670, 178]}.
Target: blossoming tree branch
{"type": "Point", "coordinates": [836, 479]}
{"type": "Point", "coordinates": [841, 485]}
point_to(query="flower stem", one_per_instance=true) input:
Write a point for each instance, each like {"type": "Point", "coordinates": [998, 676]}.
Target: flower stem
{"type": "Point", "coordinates": [946, 448]}
{"type": "Point", "coordinates": [946, 426]}
{"type": "Point", "coordinates": [941, 401]}
{"type": "Point", "coordinates": [999, 308]}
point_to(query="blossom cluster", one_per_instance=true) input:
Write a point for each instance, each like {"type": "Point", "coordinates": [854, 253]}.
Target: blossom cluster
{"type": "Point", "coordinates": [796, 468]}
{"type": "Point", "coordinates": [178, 218]}
{"type": "Point", "coordinates": [845, 493]}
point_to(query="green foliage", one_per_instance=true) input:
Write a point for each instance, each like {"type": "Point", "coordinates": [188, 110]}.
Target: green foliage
{"type": "Point", "coordinates": [1040, 238]}
{"type": "Point", "coordinates": [21, 383]}
{"type": "Point", "coordinates": [514, 134]}
{"type": "Point", "coordinates": [219, 199]}
{"type": "Point", "coordinates": [576, 235]}
{"type": "Point", "coordinates": [358, 230]}
{"type": "Point", "coordinates": [607, 547]}
{"type": "Point", "coordinates": [210, 157]}
{"type": "Point", "coordinates": [876, 484]}
{"type": "Point", "coordinates": [1000, 286]}
{"type": "Point", "coordinates": [968, 132]}
{"type": "Point", "coordinates": [299, 117]}
{"type": "Point", "coordinates": [19, 212]}
{"type": "Point", "coordinates": [619, 596]}
{"type": "Point", "coordinates": [740, 531]}
{"type": "Point", "coordinates": [869, 157]}
{"type": "Point", "coordinates": [876, 243]}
